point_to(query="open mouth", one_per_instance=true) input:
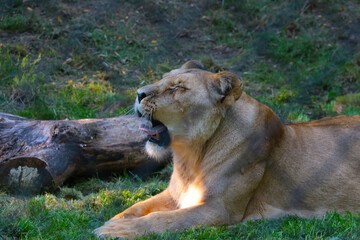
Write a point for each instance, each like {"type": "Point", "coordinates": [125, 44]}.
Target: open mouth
{"type": "Point", "coordinates": [157, 132]}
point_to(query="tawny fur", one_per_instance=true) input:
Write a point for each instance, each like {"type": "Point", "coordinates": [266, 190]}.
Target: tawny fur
{"type": "Point", "coordinates": [234, 160]}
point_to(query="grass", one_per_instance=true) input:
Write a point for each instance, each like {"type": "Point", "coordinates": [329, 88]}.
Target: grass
{"type": "Point", "coordinates": [80, 208]}
{"type": "Point", "coordinates": [85, 59]}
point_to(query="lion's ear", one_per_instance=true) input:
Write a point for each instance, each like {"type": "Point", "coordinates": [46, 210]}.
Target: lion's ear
{"type": "Point", "coordinates": [227, 87]}
{"type": "Point", "coordinates": [192, 64]}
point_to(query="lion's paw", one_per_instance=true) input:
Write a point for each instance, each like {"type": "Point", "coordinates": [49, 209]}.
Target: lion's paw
{"type": "Point", "coordinates": [120, 228]}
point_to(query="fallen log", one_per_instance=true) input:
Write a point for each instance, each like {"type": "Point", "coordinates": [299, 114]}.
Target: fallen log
{"type": "Point", "coordinates": [36, 154]}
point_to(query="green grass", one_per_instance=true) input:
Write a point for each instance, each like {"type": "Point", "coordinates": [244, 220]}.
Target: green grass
{"type": "Point", "coordinates": [78, 209]}
{"type": "Point", "coordinates": [74, 212]}
{"type": "Point", "coordinates": [298, 47]}
{"type": "Point", "coordinates": [18, 23]}
{"type": "Point", "coordinates": [85, 59]}
{"type": "Point", "coordinates": [29, 94]}
{"type": "Point", "coordinates": [331, 226]}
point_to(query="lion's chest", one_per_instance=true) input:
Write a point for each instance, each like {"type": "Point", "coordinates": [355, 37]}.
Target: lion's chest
{"type": "Point", "coordinates": [192, 196]}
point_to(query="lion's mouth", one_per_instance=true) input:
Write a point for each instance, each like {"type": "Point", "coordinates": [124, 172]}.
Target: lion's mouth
{"type": "Point", "coordinates": [158, 133]}
{"type": "Point", "coordinates": [154, 130]}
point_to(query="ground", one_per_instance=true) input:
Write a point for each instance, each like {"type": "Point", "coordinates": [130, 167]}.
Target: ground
{"type": "Point", "coordinates": [83, 59]}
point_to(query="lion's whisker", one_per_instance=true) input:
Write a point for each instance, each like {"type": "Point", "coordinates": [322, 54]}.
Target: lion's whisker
{"type": "Point", "coordinates": [130, 110]}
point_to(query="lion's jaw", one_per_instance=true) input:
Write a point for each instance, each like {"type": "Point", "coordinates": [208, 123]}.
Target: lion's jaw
{"type": "Point", "coordinates": [188, 105]}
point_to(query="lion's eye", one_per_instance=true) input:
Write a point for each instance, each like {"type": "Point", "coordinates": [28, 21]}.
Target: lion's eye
{"type": "Point", "coordinates": [174, 88]}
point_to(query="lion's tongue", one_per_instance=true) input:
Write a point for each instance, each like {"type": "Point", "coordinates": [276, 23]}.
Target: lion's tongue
{"type": "Point", "coordinates": [152, 131]}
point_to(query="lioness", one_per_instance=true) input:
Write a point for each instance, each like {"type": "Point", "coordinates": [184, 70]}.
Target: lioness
{"type": "Point", "coordinates": [234, 160]}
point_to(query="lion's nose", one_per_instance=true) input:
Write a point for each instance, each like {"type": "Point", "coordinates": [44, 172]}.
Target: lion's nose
{"type": "Point", "coordinates": [141, 96]}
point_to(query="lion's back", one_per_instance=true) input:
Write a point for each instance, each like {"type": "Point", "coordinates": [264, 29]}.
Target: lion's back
{"type": "Point", "coordinates": [318, 162]}
{"type": "Point", "coordinates": [338, 121]}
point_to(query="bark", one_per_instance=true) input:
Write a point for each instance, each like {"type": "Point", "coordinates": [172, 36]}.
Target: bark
{"type": "Point", "coordinates": [35, 154]}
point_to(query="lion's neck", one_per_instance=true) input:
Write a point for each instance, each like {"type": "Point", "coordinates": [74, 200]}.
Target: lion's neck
{"type": "Point", "coordinates": [187, 157]}
{"type": "Point", "coordinates": [248, 130]}
{"type": "Point", "coordinates": [246, 134]}
{"type": "Point", "coordinates": [188, 151]}
{"type": "Point", "coordinates": [242, 139]}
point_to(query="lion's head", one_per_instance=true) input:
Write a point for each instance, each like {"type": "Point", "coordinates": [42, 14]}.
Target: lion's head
{"type": "Point", "coordinates": [186, 105]}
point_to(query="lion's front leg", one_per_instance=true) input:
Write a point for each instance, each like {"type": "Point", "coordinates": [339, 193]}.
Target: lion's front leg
{"type": "Point", "coordinates": [160, 202]}
{"type": "Point", "coordinates": [205, 214]}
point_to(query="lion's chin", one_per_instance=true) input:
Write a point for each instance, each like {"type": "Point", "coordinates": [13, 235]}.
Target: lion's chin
{"type": "Point", "coordinates": [159, 139]}
{"type": "Point", "coordinates": [157, 152]}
